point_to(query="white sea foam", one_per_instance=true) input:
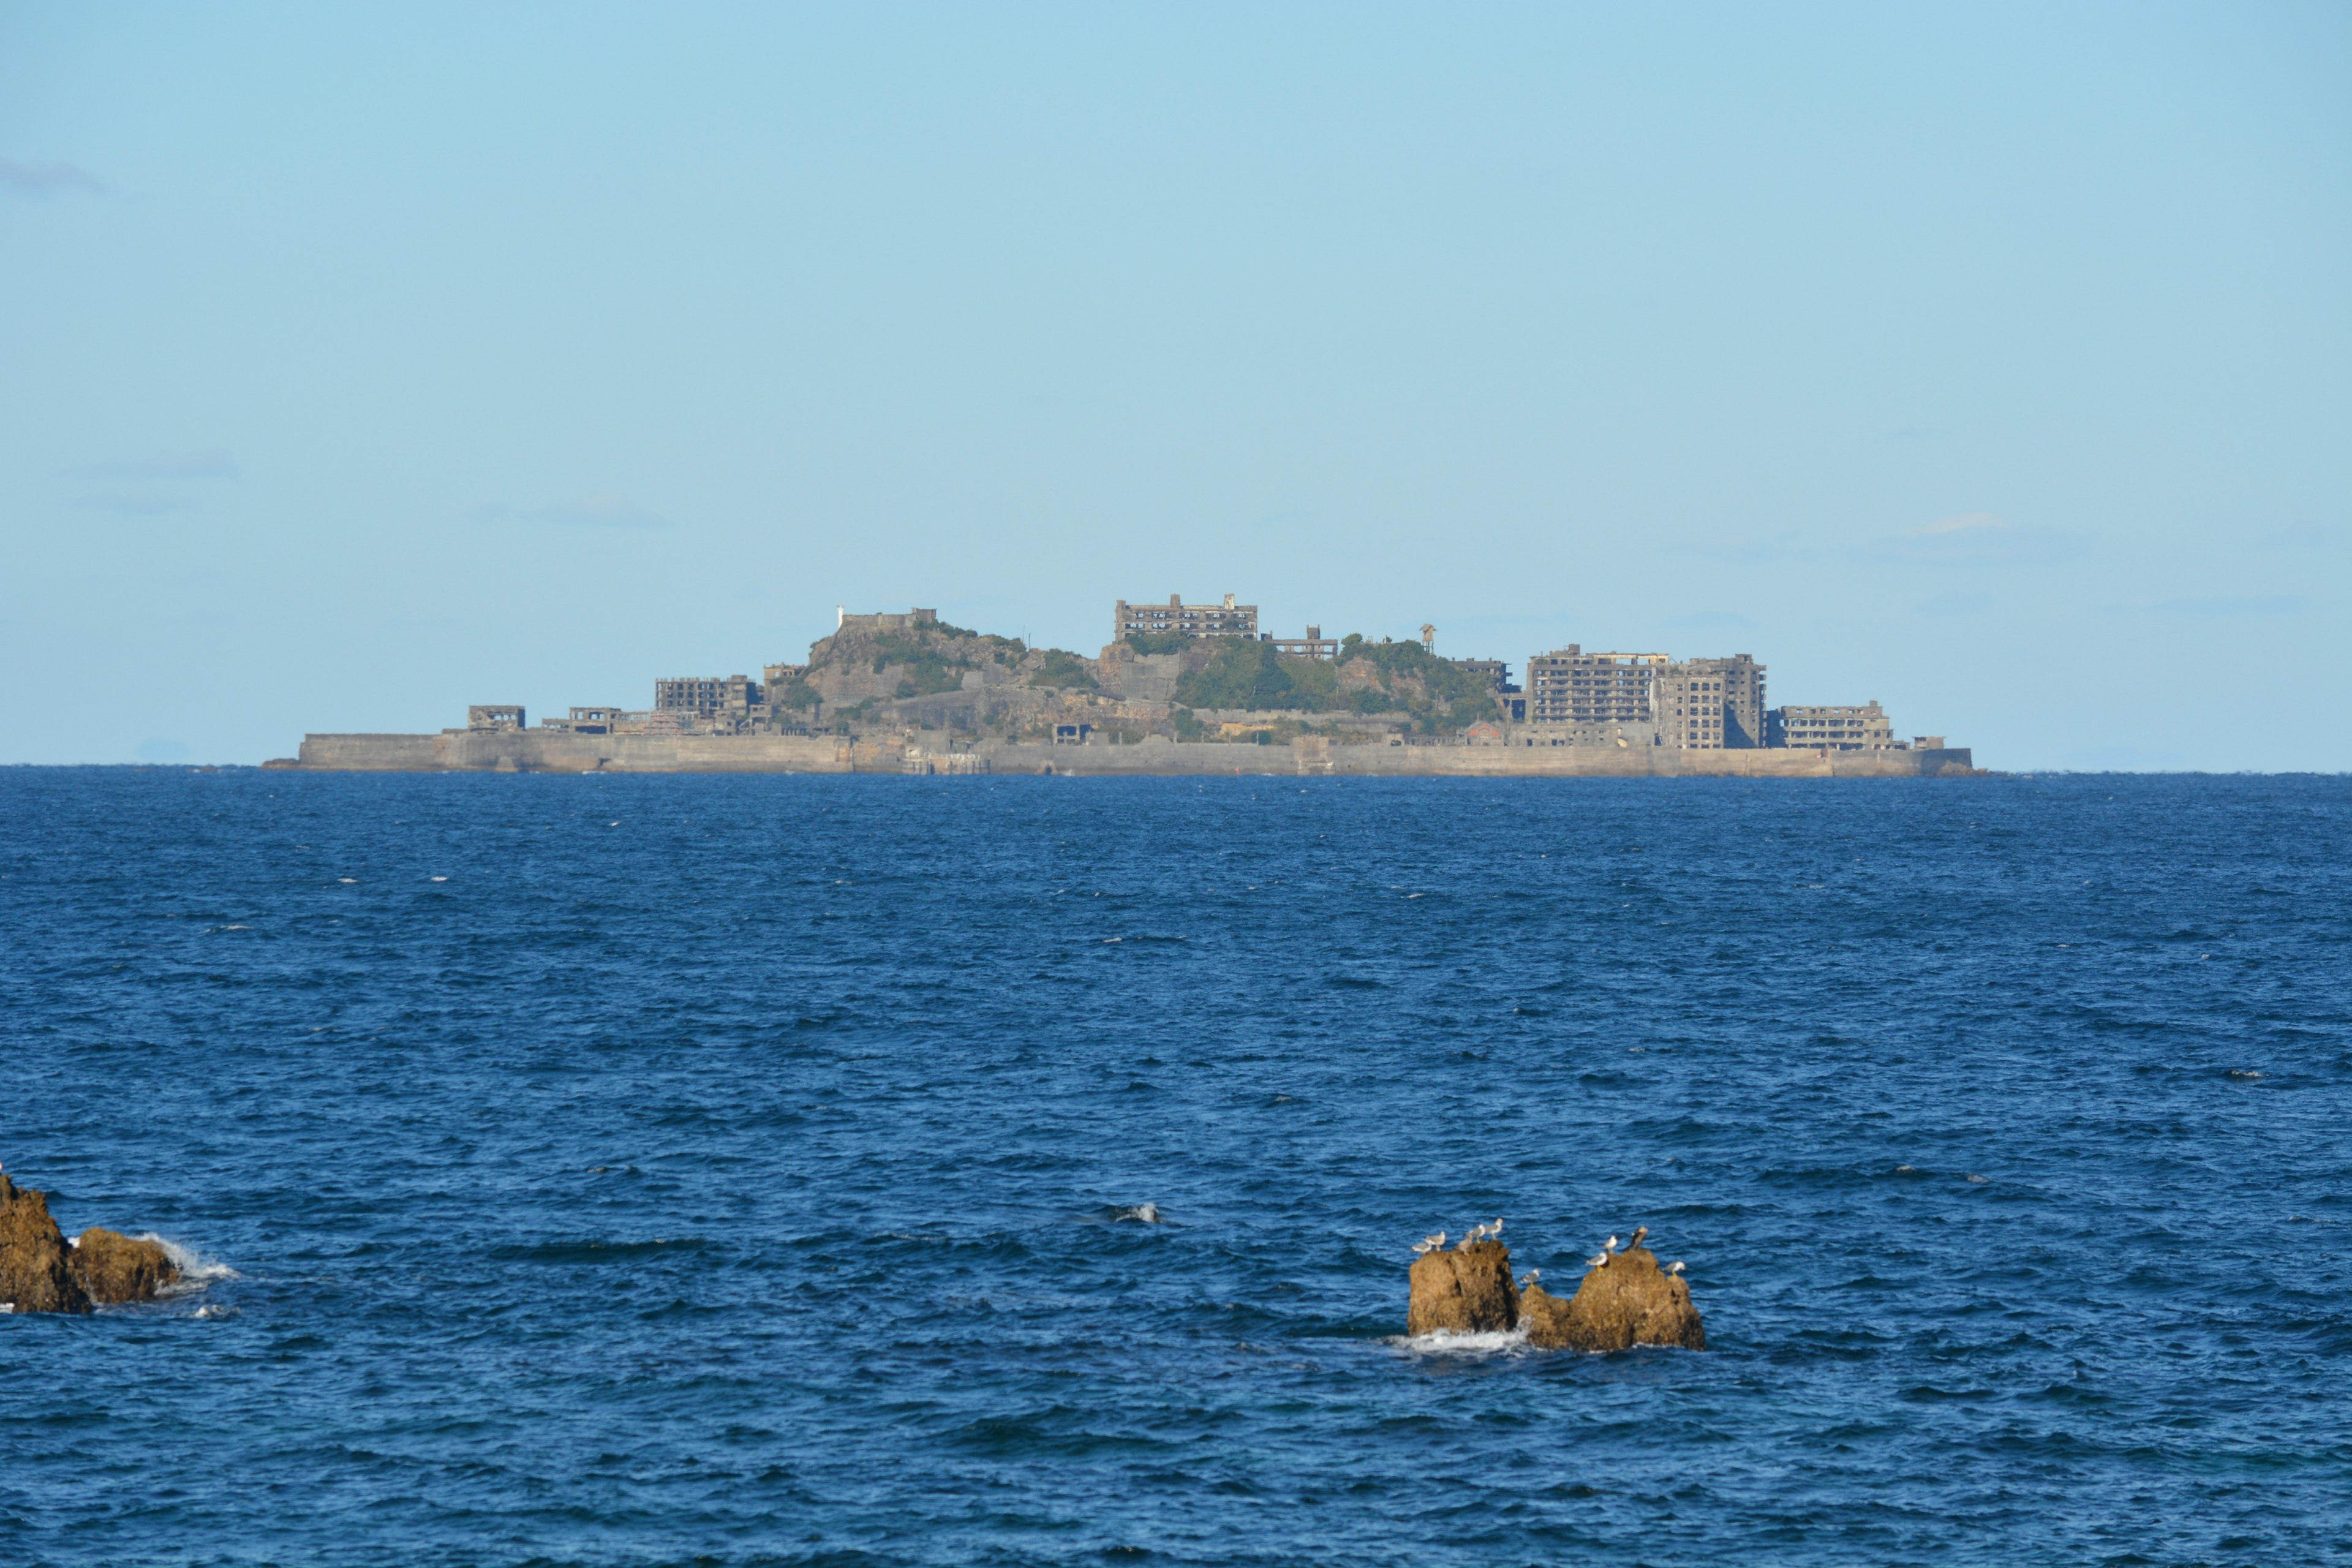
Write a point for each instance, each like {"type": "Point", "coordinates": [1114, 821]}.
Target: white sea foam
{"type": "Point", "coordinates": [196, 1272]}
{"type": "Point", "coordinates": [1148, 1214]}
{"type": "Point", "coordinates": [1445, 1342]}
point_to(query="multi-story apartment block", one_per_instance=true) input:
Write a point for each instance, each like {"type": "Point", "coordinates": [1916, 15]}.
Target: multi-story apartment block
{"type": "Point", "coordinates": [1700, 704]}
{"type": "Point", "coordinates": [1225, 620]}
{"type": "Point", "coordinates": [1832, 729]}
{"type": "Point", "coordinates": [692, 694]}
{"type": "Point", "coordinates": [1569, 686]}
{"type": "Point", "coordinates": [1711, 704]}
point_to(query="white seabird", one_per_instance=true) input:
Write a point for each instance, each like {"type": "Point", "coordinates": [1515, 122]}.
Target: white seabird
{"type": "Point", "coordinates": [1598, 1259]}
{"type": "Point", "coordinates": [1677, 1268]}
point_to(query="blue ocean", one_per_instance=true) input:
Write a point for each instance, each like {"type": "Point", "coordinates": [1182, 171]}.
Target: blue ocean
{"type": "Point", "coordinates": [1007, 1171]}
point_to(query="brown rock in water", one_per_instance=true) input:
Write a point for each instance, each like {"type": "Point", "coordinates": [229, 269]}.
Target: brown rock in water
{"type": "Point", "coordinates": [35, 1276]}
{"type": "Point", "coordinates": [111, 1267]}
{"type": "Point", "coordinates": [1629, 1300]}
{"type": "Point", "coordinates": [1467, 1291]}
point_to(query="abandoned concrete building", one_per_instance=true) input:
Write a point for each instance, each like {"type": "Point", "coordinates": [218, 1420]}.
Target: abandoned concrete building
{"type": "Point", "coordinates": [1711, 704]}
{"type": "Point", "coordinates": [1829, 727]}
{"type": "Point", "coordinates": [911, 621]}
{"type": "Point", "coordinates": [591, 722]}
{"type": "Point", "coordinates": [1223, 620]}
{"type": "Point", "coordinates": [1314, 645]}
{"type": "Point", "coordinates": [1569, 686]}
{"type": "Point", "coordinates": [733, 694]}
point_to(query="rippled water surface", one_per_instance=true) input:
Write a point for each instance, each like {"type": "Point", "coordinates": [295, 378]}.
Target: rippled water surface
{"type": "Point", "coordinates": [744, 1170]}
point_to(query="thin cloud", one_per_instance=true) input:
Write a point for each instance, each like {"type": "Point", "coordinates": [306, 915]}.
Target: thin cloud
{"type": "Point", "coordinates": [1959, 522]}
{"type": "Point", "coordinates": [47, 179]}
{"type": "Point", "coordinates": [599, 513]}
{"type": "Point", "coordinates": [2275, 605]}
{"type": "Point", "coordinates": [1967, 538]}
{"type": "Point", "coordinates": [186, 466]}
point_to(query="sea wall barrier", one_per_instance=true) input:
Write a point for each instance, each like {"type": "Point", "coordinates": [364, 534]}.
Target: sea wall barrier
{"type": "Point", "coordinates": [556, 750]}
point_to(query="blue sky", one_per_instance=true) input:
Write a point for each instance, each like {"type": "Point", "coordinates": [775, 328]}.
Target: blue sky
{"type": "Point", "coordinates": [1992, 361]}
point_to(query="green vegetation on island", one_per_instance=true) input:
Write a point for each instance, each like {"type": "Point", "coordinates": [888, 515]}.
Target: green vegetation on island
{"type": "Point", "coordinates": [906, 674]}
{"type": "Point", "coordinates": [1366, 677]}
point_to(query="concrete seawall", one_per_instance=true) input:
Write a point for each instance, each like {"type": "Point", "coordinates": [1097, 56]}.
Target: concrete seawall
{"type": "Point", "coordinates": [560, 752]}
{"type": "Point", "coordinates": [555, 751]}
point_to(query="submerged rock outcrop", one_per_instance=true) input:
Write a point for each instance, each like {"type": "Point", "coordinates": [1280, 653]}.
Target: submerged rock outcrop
{"type": "Point", "coordinates": [111, 1267]}
{"type": "Point", "coordinates": [1467, 1291]}
{"type": "Point", "coordinates": [36, 1275]}
{"type": "Point", "coordinates": [1627, 1300]}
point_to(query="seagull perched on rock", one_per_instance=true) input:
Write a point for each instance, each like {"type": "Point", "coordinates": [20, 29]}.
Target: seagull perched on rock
{"type": "Point", "coordinates": [1533, 1275]}
{"type": "Point", "coordinates": [1609, 1245]}
{"type": "Point", "coordinates": [1429, 1243]}
{"type": "Point", "coordinates": [1676, 1269]}
{"type": "Point", "coordinates": [1598, 1259]}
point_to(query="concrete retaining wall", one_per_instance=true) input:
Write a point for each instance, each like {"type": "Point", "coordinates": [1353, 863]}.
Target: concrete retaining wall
{"type": "Point", "coordinates": [558, 751]}
{"type": "Point", "coordinates": [553, 751]}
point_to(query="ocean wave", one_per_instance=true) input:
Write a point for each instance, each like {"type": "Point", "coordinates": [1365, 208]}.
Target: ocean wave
{"type": "Point", "coordinates": [197, 1272]}
{"type": "Point", "coordinates": [1446, 1342]}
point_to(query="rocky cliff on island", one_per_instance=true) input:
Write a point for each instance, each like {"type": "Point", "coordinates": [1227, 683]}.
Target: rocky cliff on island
{"type": "Point", "coordinates": [1626, 1301]}
{"type": "Point", "coordinates": [40, 1271]}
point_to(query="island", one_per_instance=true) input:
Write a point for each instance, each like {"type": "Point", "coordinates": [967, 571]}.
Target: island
{"type": "Point", "coordinates": [1182, 688]}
